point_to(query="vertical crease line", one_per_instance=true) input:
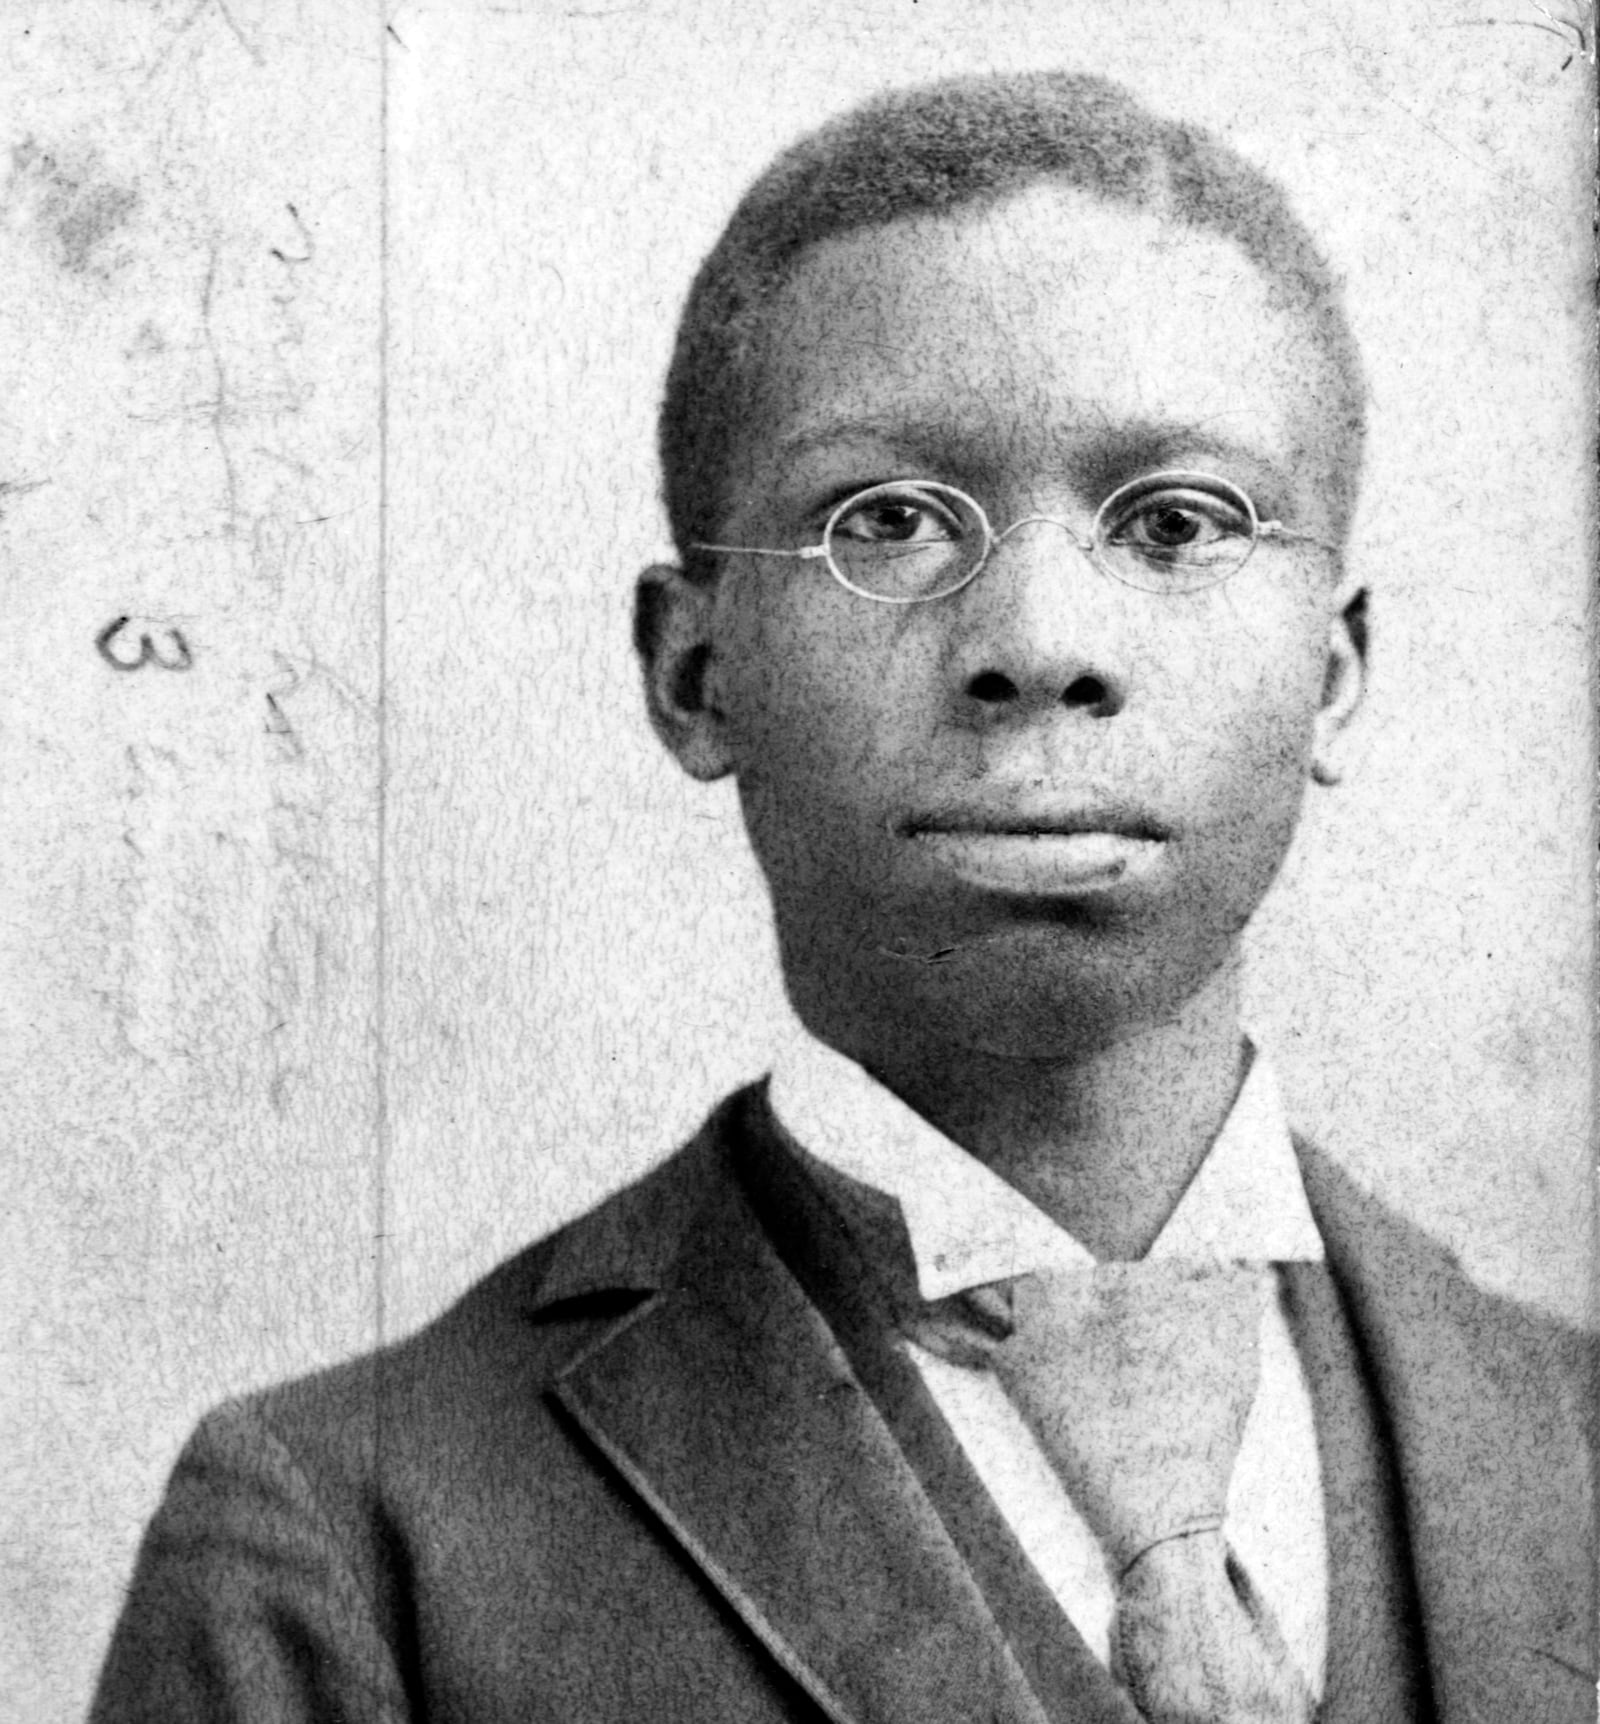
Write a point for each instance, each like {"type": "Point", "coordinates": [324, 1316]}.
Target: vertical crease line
{"type": "Point", "coordinates": [380, 1018]}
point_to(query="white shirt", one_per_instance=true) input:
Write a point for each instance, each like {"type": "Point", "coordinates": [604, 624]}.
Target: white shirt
{"type": "Point", "coordinates": [968, 1226]}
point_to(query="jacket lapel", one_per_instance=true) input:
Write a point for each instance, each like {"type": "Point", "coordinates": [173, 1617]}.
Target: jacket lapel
{"type": "Point", "coordinates": [1484, 1404]}
{"type": "Point", "coordinates": [724, 1401]}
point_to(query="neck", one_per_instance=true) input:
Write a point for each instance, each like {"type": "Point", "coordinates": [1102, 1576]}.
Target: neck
{"type": "Point", "coordinates": [1104, 1140]}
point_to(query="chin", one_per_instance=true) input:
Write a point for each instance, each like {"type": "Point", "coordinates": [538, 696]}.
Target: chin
{"type": "Point", "coordinates": [1037, 992]}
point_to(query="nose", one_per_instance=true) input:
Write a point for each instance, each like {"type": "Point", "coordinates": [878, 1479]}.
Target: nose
{"type": "Point", "coordinates": [1040, 628]}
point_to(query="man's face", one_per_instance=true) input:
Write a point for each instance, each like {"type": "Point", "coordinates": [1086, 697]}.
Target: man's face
{"type": "Point", "coordinates": [1036, 814]}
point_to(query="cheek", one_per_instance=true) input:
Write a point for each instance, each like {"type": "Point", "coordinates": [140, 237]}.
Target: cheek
{"type": "Point", "coordinates": [1246, 700]}
{"type": "Point", "coordinates": [1276, 699]}
{"type": "Point", "coordinates": [809, 691]}
{"type": "Point", "coordinates": [1271, 658]}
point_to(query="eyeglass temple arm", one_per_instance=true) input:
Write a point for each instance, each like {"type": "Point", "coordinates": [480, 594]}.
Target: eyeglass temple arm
{"type": "Point", "coordinates": [1277, 530]}
{"type": "Point", "coordinates": [810, 552]}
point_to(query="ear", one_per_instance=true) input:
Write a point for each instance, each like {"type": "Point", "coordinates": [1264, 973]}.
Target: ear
{"type": "Point", "coordinates": [1344, 682]}
{"type": "Point", "coordinates": [672, 619]}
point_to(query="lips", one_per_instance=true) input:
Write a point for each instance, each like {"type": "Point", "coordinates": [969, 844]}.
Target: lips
{"type": "Point", "coordinates": [1036, 851]}
{"type": "Point", "coordinates": [1021, 819]}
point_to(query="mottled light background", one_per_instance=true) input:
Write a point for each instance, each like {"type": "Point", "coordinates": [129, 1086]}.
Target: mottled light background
{"type": "Point", "coordinates": [383, 938]}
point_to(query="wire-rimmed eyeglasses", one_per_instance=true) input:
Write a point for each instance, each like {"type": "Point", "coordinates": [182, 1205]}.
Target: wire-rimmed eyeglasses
{"type": "Point", "coordinates": [913, 540]}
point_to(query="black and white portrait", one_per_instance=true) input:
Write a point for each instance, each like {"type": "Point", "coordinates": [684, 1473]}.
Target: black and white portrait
{"type": "Point", "coordinates": [798, 909]}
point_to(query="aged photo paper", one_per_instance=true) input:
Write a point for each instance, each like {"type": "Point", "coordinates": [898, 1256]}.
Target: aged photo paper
{"type": "Point", "coordinates": [356, 931]}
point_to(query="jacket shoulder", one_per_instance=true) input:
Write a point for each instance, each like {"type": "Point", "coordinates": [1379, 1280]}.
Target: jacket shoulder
{"type": "Point", "coordinates": [306, 1526]}
{"type": "Point", "coordinates": [502, 1342]}
{"type": "Point", "coordinates": [1406, 1282]}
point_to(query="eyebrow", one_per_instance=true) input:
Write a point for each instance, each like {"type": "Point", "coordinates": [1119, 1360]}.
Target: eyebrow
{"type": "Point", "coordinates": [902, 432]}
{"type": "Point", "coordinates": [1104, 457]}
{"type": "Point", "coordinates": [1123, 452]}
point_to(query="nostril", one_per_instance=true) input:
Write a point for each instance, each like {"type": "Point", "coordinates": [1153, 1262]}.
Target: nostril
{"type": "Point", "coordinates": [1085, 691]}
{"type": "Point", "coordinates": [991, 687]}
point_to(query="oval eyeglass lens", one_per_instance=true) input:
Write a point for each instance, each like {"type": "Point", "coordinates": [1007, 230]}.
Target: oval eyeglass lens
{"type": "Point", "coordinates": [1175, 532]}
{"type": "Point", "coordinates": [906, 541]}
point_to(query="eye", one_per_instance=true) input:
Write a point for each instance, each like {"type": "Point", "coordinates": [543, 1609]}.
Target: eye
{"type": "Point", "coordinates": [898, 515]}
{"type": "Point", "coordinates": [906, 541]}
{"type": "Point", "coordinates": [1179, 523]}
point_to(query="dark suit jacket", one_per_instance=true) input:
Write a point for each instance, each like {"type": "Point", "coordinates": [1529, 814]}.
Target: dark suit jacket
{"type": "Point", "coordinates": [631, 1477]}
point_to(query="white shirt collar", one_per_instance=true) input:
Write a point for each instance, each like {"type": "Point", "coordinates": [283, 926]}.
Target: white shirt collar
{"type": "Point", "coordinates": [968, 1226]}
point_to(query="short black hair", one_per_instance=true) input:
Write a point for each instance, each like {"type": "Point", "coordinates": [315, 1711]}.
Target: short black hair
{"type": "Point", "coordinates": [934, 148]}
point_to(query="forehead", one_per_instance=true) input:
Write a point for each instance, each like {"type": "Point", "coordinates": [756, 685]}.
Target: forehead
{"type": "Point", "coordinates": [1050, 332]}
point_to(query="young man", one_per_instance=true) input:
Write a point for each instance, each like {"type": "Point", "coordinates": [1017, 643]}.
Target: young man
{"type": "Point", "coordinates": [1006, 1357]}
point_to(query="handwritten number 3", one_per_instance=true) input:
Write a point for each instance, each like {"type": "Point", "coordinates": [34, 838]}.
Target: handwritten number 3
{"type": "Point", "coordinates": [176, 657]}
